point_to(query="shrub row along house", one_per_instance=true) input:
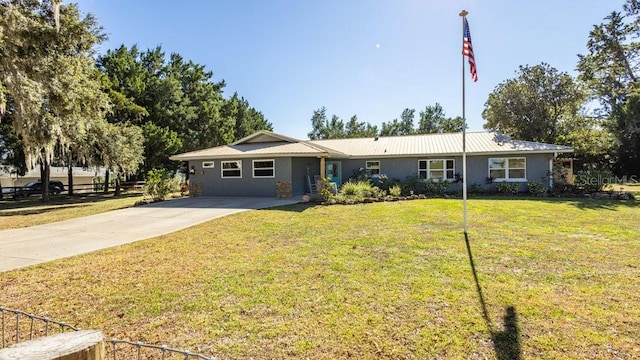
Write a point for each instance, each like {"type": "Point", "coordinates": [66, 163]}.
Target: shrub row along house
{"type": "Point", "coordinates": [267, 164]}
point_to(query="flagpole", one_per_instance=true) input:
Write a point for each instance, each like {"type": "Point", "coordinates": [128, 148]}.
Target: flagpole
{"type": "Point", "coordinates": [463, 14]}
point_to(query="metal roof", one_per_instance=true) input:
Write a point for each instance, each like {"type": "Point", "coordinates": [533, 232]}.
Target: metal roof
{"type": "Point", "coordinates": [477, 143]}
{"type": "Point", "coordinates": [265, 143]}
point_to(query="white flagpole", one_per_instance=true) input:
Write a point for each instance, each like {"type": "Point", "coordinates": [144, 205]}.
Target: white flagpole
{"type": "Point", "coordinates": [463, 14]}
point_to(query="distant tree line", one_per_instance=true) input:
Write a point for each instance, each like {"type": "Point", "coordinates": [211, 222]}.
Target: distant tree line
{"type": "Point", "coordinates": [431, 120]}
{"type": "Point", "coordinates": [127, 110]}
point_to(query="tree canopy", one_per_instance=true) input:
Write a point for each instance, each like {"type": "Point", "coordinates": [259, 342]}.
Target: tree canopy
{"type": "Point", "coordinates": [48, 73]}
{"type": "Point", "coordinates": [534, 105]}
{"type": "Point", "coordinates": [610, 70]}
{"type": "Point", "coordinates": [176, 102]}
{"type": "Point", "coordinates": [432, 120]}
{"type": "Point", "coordinates": [58, 103]}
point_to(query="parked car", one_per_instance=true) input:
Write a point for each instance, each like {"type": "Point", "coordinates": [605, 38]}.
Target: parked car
{"type": "Point", "coordinates": [35, 187]}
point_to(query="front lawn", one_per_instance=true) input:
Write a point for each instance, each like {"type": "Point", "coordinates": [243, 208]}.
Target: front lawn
{"type": "Point", "coordinates": [551, 279]}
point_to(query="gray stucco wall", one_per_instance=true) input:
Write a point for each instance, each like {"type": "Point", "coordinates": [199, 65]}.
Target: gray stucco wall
{"type": "Point", "coordinates": [537, 170]}
{"type": "Point", "coordinates": [296, 170]}
{"type": "Point", "coordinates": [286, 169]}
{"type": "Point", "coordinates": [213, 184]}
{"type": "Point", "coordinates": [477, 168]}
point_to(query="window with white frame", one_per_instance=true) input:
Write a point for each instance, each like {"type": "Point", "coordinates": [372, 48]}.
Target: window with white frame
{"type": "Point", "coordinates": [441, 169]}
{"type": "Point", "coordinates": [208, 164]}
{"type": "Point", "coordinates": [264, 168]}
{"type": "Point", "coordinates": [373, 168]}
{"type": "Point", "coordinates": [514, 168]}
{"type": "Point", "coordinates": [231, 169]}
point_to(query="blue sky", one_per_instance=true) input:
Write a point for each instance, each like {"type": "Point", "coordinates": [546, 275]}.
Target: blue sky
{"type": "Point", "coordinates": [367, 58]}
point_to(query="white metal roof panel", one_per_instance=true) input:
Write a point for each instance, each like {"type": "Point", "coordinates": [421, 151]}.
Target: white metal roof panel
{"type": "Point", "coordinates": [477, 143]}
{"type": "Point", "coordinates": [436, 144]}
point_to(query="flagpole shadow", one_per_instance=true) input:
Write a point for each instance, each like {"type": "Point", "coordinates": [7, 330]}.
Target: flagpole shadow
{"type": "Point", "coordinates": [506, 343]}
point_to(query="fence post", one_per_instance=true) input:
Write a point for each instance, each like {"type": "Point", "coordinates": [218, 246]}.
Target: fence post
{"type": "Point", "coordinates": [77, 345]}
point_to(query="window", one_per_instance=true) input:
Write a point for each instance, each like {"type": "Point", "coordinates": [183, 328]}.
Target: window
{"type": "Point", "coordinates": [232, 169]}
{"type": "Point", "coordinates": [508, 168]}
{"type": "Point", "coordinates": [442, 169]}
{"type": "Point", "coordinates": [208, 164]}
{"type": "Point", "coordinates": [264, 168]}
{"type": "Point", "coordinates": [373, 168]}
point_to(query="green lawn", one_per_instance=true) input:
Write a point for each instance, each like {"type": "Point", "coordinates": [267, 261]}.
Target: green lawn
{"type": "Point", "coordinates": [554, 279]}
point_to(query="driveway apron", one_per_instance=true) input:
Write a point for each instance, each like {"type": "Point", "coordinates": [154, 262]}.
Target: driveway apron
{"type": "Point", "coordinates": [37, 244]}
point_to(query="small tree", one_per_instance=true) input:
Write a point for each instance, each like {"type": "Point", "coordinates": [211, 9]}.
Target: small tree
{"type": "Point", "coordinates": [159, 184]}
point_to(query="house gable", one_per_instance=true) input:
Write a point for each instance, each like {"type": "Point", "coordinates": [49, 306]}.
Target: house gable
{"type": "Point", "coordinates": [265, 136]}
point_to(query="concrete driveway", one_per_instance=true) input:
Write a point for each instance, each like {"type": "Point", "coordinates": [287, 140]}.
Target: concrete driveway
{"type": "Point", "coordinates": [41, 243]}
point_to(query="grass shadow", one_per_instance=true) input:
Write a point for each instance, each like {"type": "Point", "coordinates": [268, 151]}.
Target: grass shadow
{"type": "Point", "coordinates": [242, 203]}
{"type": "Point", "coordinates": [38, 210]}
{"type": "Point", "coordinates": [580, 203]}
{"type": "Point", "coordinates": [506, 343]}
{"type": "Point", "coordinates": [299, 207]}
{"type": "Point", "coordinates": [33, 203]}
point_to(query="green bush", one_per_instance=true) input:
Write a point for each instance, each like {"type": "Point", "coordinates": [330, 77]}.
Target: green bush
{"type": "Point", "coordinates": [508, 188]}
{"type": "Point", "coordinates": [476, 189]}
{"type": "Point", "coordinates": [412, 185]}
{"type": "Point", "coordinates": [385, 183]}
{"type": "Point", "coordinates": [325, 189]}
{"type": "Point", "coordinates": [159, 184]}
{"type": "Point", "coordinates": [435, 188]}
{"type": "Point", "coordinates": [359, 175]}
{"type": "Point", "coordinates": [395, 190]}
{"type": "Point", "coordinates": [358, 188]}
{"type": "Point", "coordinates": [590, 181]}
{"type": "Point", "coordinates": [537, 188]}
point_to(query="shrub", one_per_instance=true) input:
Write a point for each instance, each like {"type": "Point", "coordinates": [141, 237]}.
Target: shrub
{"type": "Point", "coordinates": [326, 188]}
{"type": "Point", "coordinates": [357, 189]}
{"type": "Point", "coordinates": [537, 188]}
{"type": "Point", "coordinates": [359, 175]}
{"type": "Point", "coordinates": [412, 185]}
{"type": "Point", "coordinates": [395, 190]}
{"type": "Point", "coordinates": [508, 188]}
{"type": "Point", "coordinates": [590, 181]}
{"type": "Point", "coordinates": [159, 184]}
{"type": "Point", "coordinates": [435, 188]}
{"type": "Point", "coordinates": [476, 189]}
{"type": "Point", "coordinates": [376, 192]}
{"type": "Point", "coordinates": [385, 183]}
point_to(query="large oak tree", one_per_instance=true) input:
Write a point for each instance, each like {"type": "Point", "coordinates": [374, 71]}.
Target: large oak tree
{"type": "Point", "coordinates": [534, 105]}
{"type": "Point", "coordinates": [48, 73]}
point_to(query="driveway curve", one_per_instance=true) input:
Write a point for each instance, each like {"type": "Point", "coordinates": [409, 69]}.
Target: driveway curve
{"type": "Point", "coordinates": [41, 243]}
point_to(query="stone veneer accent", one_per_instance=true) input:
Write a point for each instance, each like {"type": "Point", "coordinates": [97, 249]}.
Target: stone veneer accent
{"type": "Point", "coordinates": [195, 189]}
{"type": "Point", "coordinates": [283, 189]}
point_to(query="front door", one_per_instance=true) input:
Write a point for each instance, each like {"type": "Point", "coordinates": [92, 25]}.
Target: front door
{"type": "Point", "coordinates": [333, 170]}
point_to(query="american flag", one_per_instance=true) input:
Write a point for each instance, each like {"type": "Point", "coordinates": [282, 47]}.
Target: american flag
{"type": "Point", "coordinates": [467, 50]}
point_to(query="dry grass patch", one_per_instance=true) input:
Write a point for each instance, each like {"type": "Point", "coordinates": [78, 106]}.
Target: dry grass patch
{"type": "Point", "coordinates": [558, 279]}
